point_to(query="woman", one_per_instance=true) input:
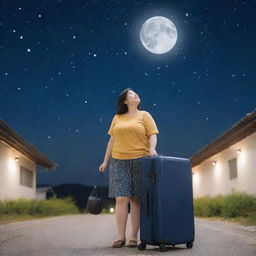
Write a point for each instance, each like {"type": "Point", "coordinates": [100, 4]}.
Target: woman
{"type": "Point", "coordinates": [133, 136]}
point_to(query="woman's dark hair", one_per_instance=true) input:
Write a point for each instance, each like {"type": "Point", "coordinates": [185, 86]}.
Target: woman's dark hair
{"type": "Point", "coordinates": [121, 106]}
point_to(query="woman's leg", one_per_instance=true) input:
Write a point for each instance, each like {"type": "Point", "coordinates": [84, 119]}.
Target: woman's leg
{"type": "Point", "coordinates": [135, 217]}
{"type": "Point", "coordinates": [121, 212]}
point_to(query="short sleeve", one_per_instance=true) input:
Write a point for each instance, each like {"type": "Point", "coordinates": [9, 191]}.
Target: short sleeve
{"type": "Point", "coordinates": [110, 131]}
{"type": "Point", "coordinates": [150, 124]}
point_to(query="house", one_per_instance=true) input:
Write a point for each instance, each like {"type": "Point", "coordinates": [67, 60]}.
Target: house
{"type": "Point", "coordinates": [41, 192]}
{"type": "Point", "coordinates": [228, 162]}
{"type": "Point", "coordinates": [18, 160]}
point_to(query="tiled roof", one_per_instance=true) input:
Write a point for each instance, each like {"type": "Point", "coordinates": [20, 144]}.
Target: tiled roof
{"type": "Point", "coordinates": [13, 139]}
{"type": "Point", "coordinates": [237, 132]}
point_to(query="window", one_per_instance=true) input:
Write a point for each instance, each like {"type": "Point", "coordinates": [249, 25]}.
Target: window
{"type": "Point", "coordinates": [232, 168]}
{"type": "Point", "coordinates": [26, 177]}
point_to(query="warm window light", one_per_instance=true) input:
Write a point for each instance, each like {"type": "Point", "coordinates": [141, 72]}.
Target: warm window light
{"type": "Point", "coordinates": [111, 210]}
{"type": "Point", "coordinates": [16, 159]}
{"type": "Point", "coordinates": [214, 163]}
{"type": "Point", "coordinates": [238, 151]}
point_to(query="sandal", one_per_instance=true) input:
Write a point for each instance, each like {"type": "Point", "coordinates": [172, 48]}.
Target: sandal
{"type": "Point", "coordinates": [132, 243]}
{"type": "Point", "coordinates": [118, 243]}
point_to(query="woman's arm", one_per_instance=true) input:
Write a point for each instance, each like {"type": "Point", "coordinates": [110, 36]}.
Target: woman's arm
{"type": "Point", "coordinates": [109, 149]}
{"type": "Point", "coordinates": [152, 144]}
{"type": "Point", "coordinates": [152, 141]}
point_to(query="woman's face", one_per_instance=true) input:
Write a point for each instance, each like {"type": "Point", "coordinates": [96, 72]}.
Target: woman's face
{"type": "Point", "coordinates": [132, 98]}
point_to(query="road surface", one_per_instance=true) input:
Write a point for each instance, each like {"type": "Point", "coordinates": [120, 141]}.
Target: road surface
{"type": "Point", "coordinates": [87, 234]}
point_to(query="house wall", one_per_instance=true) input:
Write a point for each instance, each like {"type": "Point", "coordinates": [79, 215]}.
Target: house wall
{"type": "Point", "coordinates": [213, 180]}
{"type": "Point", "coordinates": [10, 187]}
{"type": "Point", "coordinates": [41, 195]}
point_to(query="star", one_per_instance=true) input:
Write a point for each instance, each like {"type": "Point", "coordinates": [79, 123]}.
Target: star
{"type": "Point", "coordinates": [28, 50]}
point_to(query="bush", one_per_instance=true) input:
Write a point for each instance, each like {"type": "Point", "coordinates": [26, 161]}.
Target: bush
{"type": "Point", "coordinates": [35, 207]}
{"type": "Point", "coordinates": [239, 204]}
{"type": "Point", "coordinates": [235, 204]}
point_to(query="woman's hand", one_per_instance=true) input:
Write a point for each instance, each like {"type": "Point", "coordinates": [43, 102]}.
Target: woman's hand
{"type": "Point", "coordinates": [103, 166]}
{"type": "Point", "coordinates": [152, 152]}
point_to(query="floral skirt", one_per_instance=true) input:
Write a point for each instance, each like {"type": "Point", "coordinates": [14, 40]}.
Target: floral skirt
{"type": "Point", "coordinates": [124, 177]}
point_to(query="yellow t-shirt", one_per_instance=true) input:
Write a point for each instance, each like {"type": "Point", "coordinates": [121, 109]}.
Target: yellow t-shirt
{"type": "Point", "coordinates": [131, 135]}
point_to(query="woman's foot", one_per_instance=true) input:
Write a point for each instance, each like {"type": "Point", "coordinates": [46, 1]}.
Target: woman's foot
{"type": "Point", "coordinates": [119, 243]}
{"type": "Point", "coordinates": [133, 243]}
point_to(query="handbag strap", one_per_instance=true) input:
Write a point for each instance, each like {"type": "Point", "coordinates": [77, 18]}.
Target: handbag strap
{"type": "Point", "coordinates": [98, 187]}
{"type": "Point", "coordinates": [101, 178]}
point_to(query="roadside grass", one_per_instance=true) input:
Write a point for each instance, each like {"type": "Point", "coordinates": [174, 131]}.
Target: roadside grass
{"type": "Point", "coordinates": [236, 207]}
{"type": "Point", "coordinates": [12, 210]}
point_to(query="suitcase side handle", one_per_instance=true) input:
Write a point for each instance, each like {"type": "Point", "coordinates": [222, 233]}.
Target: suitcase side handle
{"type": "Point", "coordinates": [147, 204]}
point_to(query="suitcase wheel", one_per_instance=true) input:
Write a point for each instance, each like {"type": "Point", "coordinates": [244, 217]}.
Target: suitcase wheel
{"type": "Point", "coordinates": [142, 246]}
{"type": "Point", "coordinates": [162, 247]}
{"type": "Point", "coordinates": [189, 245]}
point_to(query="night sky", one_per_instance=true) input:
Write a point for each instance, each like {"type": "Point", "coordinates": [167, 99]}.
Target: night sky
{"type": "Point", "coordinates": [64, 63]}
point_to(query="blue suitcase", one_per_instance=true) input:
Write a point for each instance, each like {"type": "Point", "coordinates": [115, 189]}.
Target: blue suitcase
{"type": "Point", "coordinates": [166, 202]}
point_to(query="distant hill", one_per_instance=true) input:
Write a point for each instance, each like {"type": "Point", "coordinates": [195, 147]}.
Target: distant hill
{"type": "Point", "coordinates": [80, 193]}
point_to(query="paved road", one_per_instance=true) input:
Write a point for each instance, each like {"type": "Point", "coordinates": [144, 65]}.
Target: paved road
{"type": "Point", "coordinates": [87, 234]}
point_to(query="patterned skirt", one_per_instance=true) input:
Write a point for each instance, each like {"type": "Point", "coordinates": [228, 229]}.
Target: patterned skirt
{"type": "Point", "coordinates": [124, 177]}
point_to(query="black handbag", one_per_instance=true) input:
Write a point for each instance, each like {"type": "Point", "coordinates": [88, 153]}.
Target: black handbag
{"type": "Point", "coordinates": [95, 199]}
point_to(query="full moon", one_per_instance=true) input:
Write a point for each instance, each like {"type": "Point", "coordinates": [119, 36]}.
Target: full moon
{"type": "Point", "coordinates": [158, 35]}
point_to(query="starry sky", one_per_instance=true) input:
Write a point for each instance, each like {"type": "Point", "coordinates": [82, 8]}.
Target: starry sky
{"type": "Point", "coordinates": [64, 63]}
